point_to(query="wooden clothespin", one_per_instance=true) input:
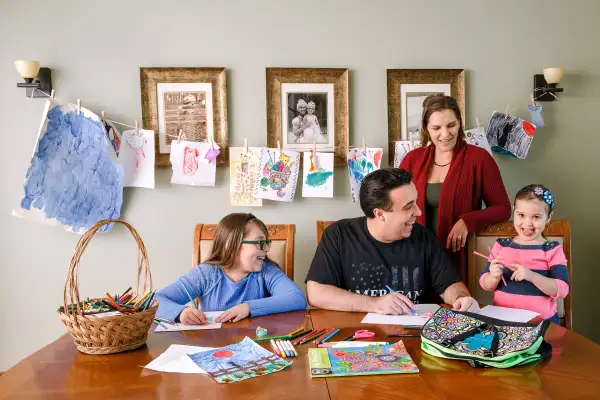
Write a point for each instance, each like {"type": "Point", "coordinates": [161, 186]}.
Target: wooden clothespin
{"type": "Point", "coordinates": [364, 145]}
{"type": "Point", "coordinates": [477, 122]}
{"type": "Point", "coordinates": [507, 110]}
{"type": "Point", "coordinates": [78, 106]}
{"type": "Point", "coordinates": [137, 128]}
{"type": "Point", "coordinates": [212, 143]}
{"type": "Point", "coordinates": [179, 135]}
{"type": "Point", "coordinates": [246, 144]}
{"type": "Point", "coordinates": [279, 146]}
{"type": "Point", "coordinates": [52, 93]}
{"type": "Point", "coordinates": [314, 148]}
{"type": "Point", "coordinates": [102, 116]}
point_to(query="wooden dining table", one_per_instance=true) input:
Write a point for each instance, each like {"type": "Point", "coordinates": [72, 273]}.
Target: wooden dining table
{"type": "Point", "coordinates": [59, 371]}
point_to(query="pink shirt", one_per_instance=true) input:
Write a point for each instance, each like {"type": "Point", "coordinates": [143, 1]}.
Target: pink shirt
{"type": "Point", "coordinates": [547, 259]}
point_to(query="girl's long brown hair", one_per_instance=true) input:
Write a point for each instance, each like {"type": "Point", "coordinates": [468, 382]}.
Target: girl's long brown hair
{"type": "Point", "coordinates": [228, 238]}
{"type": "Point", "coordinates": [438, 102]}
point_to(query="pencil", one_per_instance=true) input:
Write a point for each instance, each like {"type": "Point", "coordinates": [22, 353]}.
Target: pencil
{"type": "Point", "coordinates": [488, 258]}
{"type": "Point", "coordinates": [262, 339]}
{"type": "Point", "coordinates": [301, 338]}
{"type": "Point", "coordinates": [351, 337]}
{"type": "Point", "coordinates": [297, 335]}
{"type": "Point", "coordinates": [292, 333]}
{"type": "Point", "coordinates": [188, 295]}
{"type": "Point", "coordinates": [309, 337]}
{"type": "Point", "coordinates": [328, 337]}
{"type": "Point", "coordinates": [275, 348]}
{"type": "Point", "coordinates": [413, 312]}
{"type": "Point", "coordinates": [404, 335]}
{"type": "Point", "coordinates": [325, 334]}
{"type": "Point", "coordinates": [157, 322]}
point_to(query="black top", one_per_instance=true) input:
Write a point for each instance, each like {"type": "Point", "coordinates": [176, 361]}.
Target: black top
{"type": "Point", "coordinates": [350, 258]}
{"type": "Point", "coordinates": [432, 202]}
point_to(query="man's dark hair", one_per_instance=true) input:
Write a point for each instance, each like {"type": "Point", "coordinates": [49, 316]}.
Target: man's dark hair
{"type": "Point", "coordinates": [376, 187]}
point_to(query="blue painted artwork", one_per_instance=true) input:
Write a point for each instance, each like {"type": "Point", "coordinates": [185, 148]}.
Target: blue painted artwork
{"type": "Point", "coordinates": [480, 341]}
{"type": "Point", "coordinates": [236, 362]}
{"type": "Point", "coordinates": [74, 177]}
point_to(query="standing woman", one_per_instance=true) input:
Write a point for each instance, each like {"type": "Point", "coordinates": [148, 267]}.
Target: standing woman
{"type": "Point", "coordinates": [453, 180]}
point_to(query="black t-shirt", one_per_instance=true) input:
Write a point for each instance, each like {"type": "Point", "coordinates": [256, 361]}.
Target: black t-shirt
{"type": "Point", "coordinates": [350, 258]}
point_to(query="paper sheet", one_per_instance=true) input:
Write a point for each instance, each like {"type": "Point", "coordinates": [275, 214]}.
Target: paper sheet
{"type": "Point", "coordinates": [136, 156]}
{"type": "Point", "coordinates": [417, 320]}
{"type": "Point", "coordinates": [361, 162]}
{"type": "Point", "coordinates": [317, 175]}
{"type": "Point", "coordinates": [181, 327]}
{"type": "Point", "coordinates": [508, 314]}
{"type": "Point", "coordinates": [192, 164]}
{"type": "Point", "coordinates": [175, 359]}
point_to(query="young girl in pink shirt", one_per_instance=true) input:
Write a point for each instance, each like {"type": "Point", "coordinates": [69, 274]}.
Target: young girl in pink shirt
{"type": "Point", "coordinates": [534, 269]}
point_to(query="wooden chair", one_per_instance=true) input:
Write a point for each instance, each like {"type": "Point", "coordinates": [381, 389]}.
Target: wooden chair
{"type": "Point", "coordinates": [321, 226]}
{"type": "Point", "coordinates": [480, 241]}
{"type": "Point", "coordinates": [281, 251]}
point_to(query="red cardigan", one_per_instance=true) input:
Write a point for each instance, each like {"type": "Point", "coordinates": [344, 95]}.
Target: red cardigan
{"type": "Point", "coordinates": [473, 178]}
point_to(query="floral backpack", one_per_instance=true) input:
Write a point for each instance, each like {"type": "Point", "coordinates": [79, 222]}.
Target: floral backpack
{"type": "Point", "coordinates": [484, 341]}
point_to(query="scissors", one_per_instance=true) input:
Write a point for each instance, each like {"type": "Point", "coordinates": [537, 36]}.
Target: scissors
{"type": "Point", "coordinates": [361, 334]}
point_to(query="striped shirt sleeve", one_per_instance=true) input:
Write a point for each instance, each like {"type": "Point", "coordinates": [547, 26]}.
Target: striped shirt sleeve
{"type": "Point", "coordinates": [557, 265]}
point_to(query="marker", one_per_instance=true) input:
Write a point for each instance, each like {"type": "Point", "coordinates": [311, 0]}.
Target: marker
{"type": "Point", "coordinates": [291, 346]}
{"type": "Point", "coordinates": [404, 335]}
{"type": "Point", "coordinates": [275, 348]}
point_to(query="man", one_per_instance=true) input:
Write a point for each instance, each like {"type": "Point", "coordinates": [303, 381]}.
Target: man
{"type": "Point", "coordinates": [358, 259]}
{"type": "Point", "coordinates": [298, 122]}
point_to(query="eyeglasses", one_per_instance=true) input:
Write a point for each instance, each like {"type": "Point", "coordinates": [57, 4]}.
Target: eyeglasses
{"type": "Point", "coordinates": [261, 243]}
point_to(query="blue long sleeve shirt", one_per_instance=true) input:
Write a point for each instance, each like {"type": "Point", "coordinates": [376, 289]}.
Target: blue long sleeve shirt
{"type": "Point", "coordinates": [266, 292]}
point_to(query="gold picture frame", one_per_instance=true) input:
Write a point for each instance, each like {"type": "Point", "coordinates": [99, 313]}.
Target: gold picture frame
{"type": "Point", "coordinates": [188, 100]}
{"type": "Point", "coordinates": [327, 90]}
{"type": "Point", "coordinates": [421, 79]}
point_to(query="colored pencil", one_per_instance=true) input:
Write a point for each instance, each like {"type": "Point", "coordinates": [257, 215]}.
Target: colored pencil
{"type": "Point", "coordinates": [297, 335]}
{"type": "Point", "coordinates": [488, 258]}
{"type": "Point", "coordinates": [351, 337]}
{"type": "Point", "coordinates": [413, 312]}
{"type": "Point", "coordinates": [404, 335]}
{"type": "Point", "coordinates": [313, 337]}
{"type": "Point", "coordinates": [309, 337]}
{"type": "Point", "coordinates": [292, 333]}
{"type": "Point", "coordinates": [137, 303]}
{"type": "Point", "coordinates": [413, 327]}
{"type": "Point", "coordinates": [325, 334]}
{"type": "Point", "coordinates": [157, 322]}
{"type": "Point", "coordinates": [292, 348]}
{"type": "Point", "coordinates": [262, 339]}
{"type": "Point", "coordinates": [189, 296]}
{"type": "Point", "coordinates": [328, 337]}
{"type": "Point", "coordinates": [275, 348]}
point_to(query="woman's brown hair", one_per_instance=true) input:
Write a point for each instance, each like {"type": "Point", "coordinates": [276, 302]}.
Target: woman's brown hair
{"type": "Point", "coordinates": [438, 102]}
{"type": "Point", "coordinates": [228, 238]}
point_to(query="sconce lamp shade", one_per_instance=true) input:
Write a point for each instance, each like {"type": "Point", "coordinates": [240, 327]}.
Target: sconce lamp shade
{"type": "Point", "coordinates": [553, 75]}
{"type": "Point", "coordinates": [28, 69]}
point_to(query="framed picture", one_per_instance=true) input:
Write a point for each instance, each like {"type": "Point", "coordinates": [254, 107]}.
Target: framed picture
{"type": "Point", "coordinates": [407, 88]}
{"type": "Point", "coordinates": [307, 106]}
{"type": "Point", "coordinates": [185, 103]}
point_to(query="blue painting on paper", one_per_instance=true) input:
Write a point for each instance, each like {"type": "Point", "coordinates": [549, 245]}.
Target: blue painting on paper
{"type": "Point", "coordinates": [74, 177]}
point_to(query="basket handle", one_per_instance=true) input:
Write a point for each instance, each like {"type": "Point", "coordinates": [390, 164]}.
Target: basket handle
{"type": "Point", "coordinates": [72, 282]}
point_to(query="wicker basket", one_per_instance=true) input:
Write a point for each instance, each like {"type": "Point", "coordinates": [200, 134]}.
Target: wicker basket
{"type": "Point", "coordinates": [108, 335]}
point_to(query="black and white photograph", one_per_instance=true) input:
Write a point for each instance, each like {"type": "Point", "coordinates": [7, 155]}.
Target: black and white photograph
{"type": "Point", "coordinates": [307, 115]}
{"type": "Point", "coordinates": [508, 135]}
{"type": "Point", "coordinates": [307, 118]}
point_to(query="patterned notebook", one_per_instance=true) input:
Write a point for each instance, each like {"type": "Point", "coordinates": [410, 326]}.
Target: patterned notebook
{"type": "Point", "coordinates": [370, 360]}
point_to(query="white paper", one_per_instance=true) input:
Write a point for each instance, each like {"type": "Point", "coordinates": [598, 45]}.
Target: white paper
{"type": "Point", "coordinates": [175, 359]}
{"type": "Point", "coordinates": [244, 168]}
{"type": "Point", "coordinates": [402, 147]}
{"type": "Point", "coordinates": [356, 344]}
{"type": "Point", "coordinates": [279, 175]}
{"type": "Point", "coordinates": [417, 320]}
{"type": "Point", "coordinates": [211, 315]}
{"type": "Point", "coordinates": [508, 314]}
{"type": "Point", "coordinates": [189, 163]}
{"type": "Point", "coordinates": [317, 175]}
{"type": "Point", "coordinates": [136, 156]}
{"type": "Point", "coordinates": [477, 137]}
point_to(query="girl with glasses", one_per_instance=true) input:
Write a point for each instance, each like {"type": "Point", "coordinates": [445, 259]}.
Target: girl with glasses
{"type": "Point", "coordinates": [237, 278]}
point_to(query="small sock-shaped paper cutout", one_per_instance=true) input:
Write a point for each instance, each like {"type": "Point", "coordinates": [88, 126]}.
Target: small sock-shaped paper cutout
{"type": "Point", "coordinates": [536, 114]}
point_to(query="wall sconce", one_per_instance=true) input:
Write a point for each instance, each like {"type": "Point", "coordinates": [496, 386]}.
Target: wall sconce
{"type": "Point", "coordinates": [544, 86]}
{"type": "Point", "coordinates": [35, 78]}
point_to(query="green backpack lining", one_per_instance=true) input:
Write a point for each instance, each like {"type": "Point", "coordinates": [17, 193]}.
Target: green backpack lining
{"type": "Point", "coordinates": [484, 341]}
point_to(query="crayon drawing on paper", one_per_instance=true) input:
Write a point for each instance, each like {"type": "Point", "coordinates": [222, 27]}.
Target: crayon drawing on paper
{"type": "Point", "coordinates": [317, 175]}
{"type": "Point", "coordinates": [243, 173]}
{"type": "Point", "coordinates": [279, 175]}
